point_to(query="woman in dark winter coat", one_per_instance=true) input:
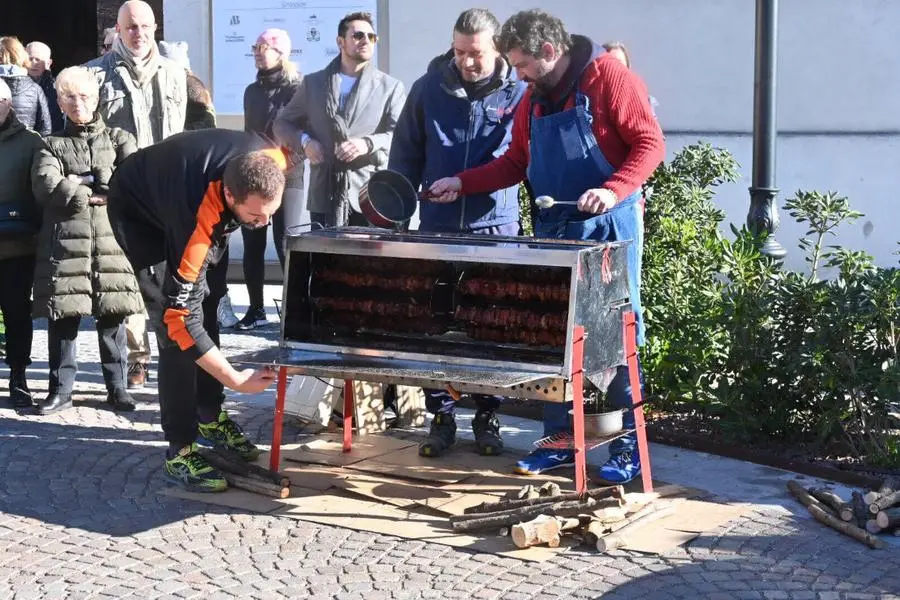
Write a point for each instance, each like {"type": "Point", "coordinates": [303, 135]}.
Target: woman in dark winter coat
{"type": "Point", "coordinates": [276, 81]}
{"type": "Point", "coordinates": [18, 145]}
{"type": "Point", "coordinates": [81, 270]}
{"type": "Point", "coordinates": [28, 99]}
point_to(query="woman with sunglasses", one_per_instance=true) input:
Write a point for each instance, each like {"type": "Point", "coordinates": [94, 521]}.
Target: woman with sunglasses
{"type": "Point", "coordinates": [276, 81]}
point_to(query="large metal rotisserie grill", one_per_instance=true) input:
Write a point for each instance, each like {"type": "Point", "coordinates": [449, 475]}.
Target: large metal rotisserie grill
{"type": "Point", "coordinates": [482, 314]}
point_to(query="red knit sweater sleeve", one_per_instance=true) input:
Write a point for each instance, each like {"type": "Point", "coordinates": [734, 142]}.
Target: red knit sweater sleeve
{"type": "Point", "coordinates": [632, 117]}
{"type": "Point", "coordinates": [509, 168]}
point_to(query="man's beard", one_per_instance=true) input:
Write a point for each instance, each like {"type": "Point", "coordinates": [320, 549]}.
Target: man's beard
{"type": "Point", "coordinates": [253, 226]}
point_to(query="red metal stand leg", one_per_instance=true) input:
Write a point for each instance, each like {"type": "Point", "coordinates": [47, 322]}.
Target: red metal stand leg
{"type": "Point", "coordinates": [278, 425]}
{"type": "Point", "coordinates": [634, 379]}
{"type": "Point", "coordinates": [578, 409]}
{"type": "Point", "coordinates": [349, 405]}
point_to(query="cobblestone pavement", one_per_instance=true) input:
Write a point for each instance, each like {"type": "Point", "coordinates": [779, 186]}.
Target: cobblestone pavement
{"type": "Point", "coordinates": [81, 517]}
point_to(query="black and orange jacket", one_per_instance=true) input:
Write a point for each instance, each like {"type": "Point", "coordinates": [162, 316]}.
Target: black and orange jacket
{"type": "Point", "coordinates": [170, 199]}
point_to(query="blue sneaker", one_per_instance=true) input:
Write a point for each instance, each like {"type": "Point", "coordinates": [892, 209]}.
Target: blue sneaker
{"type": "Point", "coordinates": [620, 468]}
{"type": "Point", "coordinates": [545, 459]}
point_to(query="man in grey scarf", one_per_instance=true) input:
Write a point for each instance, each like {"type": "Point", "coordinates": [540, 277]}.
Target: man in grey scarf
{"type": "Point", "coordinates": [146, 95]}
{"type": "Point", "coordinates": [342, 118]}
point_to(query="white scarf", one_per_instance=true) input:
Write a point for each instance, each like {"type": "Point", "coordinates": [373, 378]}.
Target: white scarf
{"type": "Point", "coordinates": [142, 69]}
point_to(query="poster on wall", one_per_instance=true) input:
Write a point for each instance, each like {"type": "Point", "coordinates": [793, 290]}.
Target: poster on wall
{"type": "Point", "coordinates": [237, 23]}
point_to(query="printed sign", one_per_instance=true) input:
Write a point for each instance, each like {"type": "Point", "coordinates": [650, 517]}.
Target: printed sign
{"type": "Point", "coordinates": [237, 23]}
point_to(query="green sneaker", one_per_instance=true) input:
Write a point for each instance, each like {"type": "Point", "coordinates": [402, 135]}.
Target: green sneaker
{"type": "Point", "coordinates": [225, 433]}
{"type": "Point", "coordinates": [189, 469]}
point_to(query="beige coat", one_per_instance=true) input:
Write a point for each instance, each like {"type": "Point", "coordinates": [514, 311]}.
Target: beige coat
{"type": "Point", "coordinates": [122, 104]}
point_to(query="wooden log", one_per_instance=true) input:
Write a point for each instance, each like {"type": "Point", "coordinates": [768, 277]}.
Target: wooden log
{"type": "Point", "coordinates": [598, 528]}
{"type": "Point", "coordinates": [885, 502]}
{"type": "Point", "coordinates": [830, 499]}
{"type": "Point", "coordinates": [888, 519]}
{"type": "Point", "coordinates": [543, 529]}
{"type": "Point", "coordinates": [805, 498]}
{"type": "Point", "coordinates": [525, 513]}
{"type": "Point", "coordinates": [619, 538]}
{"type": "Point", "coordinates": [593, 531]}
{"type": "Point", "coordinates": [232, 463]}
{"type": "Point", "coordinates": [847, 529]}
{"type": "Point", "coordinates": [860, 510]}
{"type": "Point", "coordinates": [872, 526]}
{"type": "Point", "coordinates": [256, 486]}
{"type": "Point", "coordinates": [549, 490]}
{"type": "Point", "coordinates": [890, 485]}
{"type": "Point", "coordinates": [615, 491]}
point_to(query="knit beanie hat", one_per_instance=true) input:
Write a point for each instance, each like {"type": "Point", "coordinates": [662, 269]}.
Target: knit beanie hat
{"type": "Point", "coordinates": [177, 51]}
{"type": "Point", "coordinates": [277, 39]}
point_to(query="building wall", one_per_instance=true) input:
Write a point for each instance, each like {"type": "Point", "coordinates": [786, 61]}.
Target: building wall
{"type": "Point", "coordinates": [838, 113]}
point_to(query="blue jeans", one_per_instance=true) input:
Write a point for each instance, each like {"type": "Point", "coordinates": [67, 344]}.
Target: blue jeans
{"type": "Point", "coordinates": [623, 223]}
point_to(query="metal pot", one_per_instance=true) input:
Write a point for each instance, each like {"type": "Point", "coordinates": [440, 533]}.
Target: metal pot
{"type": "Point", "coordinates": [388, 199]}
{"type": "Point", "coordinates": [602, 424]}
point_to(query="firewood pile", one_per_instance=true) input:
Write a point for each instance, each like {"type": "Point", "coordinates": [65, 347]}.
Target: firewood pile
{"type": "Point", "coordinates": [861, 517]}
{"type": "Point", "coordinates": [247, 476]}
{"type": "Point", "coordinates": [602, 518]}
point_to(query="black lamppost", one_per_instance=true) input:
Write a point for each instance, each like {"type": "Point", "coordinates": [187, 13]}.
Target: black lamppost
{"type": "Point", "coordinates": [763, 214]}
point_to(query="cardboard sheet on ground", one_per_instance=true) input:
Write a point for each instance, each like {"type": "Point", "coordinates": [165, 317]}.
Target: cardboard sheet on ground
{"type": "Point", "coordinates": [691, 518]}
{"type": "Point", "coordinates": [327, 449]}
{"type": "Point", "coordinates": [383, 487]}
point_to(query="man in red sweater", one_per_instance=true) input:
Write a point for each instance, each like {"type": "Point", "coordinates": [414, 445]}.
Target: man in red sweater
{"type": "Point", "coordinates": [583, 132]}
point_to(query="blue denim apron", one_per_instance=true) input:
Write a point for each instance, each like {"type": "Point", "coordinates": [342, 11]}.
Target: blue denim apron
{"type": "Point", "coordinates": [565, 162]}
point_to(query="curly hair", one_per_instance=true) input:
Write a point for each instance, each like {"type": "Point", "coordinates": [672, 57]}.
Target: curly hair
{"type": "Point", "coordinates": [529, 30]}
{"type": "Point", "coordinates": [253, 173]}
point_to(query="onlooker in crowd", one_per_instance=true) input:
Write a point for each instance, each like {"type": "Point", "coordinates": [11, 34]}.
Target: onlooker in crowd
{"type": "Point", "coordinates": [28, 99]}
{"type": "Point", "coordinates": [276, 82]}
{"type": "Point", "coordinates": [174, 231]}
{"type": "Point", "coordinates": [580, 97]}
{"type": "Point", "coordinates": [19, 223]}
{"type": "Point", "coordinates": [109, 36]}
{"type": "Point", "coordinates": [199, 113]}
{"type": "Point", "coordinates": [620, 52]}
{"type": "Point", "coordinates": [458, 114]}
{"type": "Point", "coordinates": [40, 73]}
{"type": "Point", "coordinates": [146, 95]}
{"type": "Point", "coordinates": [81, 271]}
{"type": "Point", "coordinates": [342, 118]}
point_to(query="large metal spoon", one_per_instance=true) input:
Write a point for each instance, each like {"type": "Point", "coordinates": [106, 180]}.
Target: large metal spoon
{"type": "Point", "coordinates": [547, 202]}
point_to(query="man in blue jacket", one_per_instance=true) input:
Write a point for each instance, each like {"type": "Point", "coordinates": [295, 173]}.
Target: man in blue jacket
{"type": "Point", "coordinates": [459, 115]}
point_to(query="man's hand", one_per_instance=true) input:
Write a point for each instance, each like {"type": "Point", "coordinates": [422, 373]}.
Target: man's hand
{"type": "Point", "coordinates": [597, 201]}
{"type": "Point", "coordinates": [351, 150]}
{"type": "Point", "coordinates": [314, 152]}
{"type": "Point", "coordinates": [445, 190]}
{"type": "Point", "coordinates": [97, 200]}
{"type": "Point", "coordinates": [81, 179]}
{"type": "Point", "coordinates": [254, 381]}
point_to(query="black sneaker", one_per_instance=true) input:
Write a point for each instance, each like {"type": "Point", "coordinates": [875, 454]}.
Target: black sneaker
{"type": "Point", "coordinates": [486, 427]}
{"type": "Point", "coordinates": [441, 436]}
{"type": "Point", "coordinates": [190, 470]}
{"type": "Point", "coordinates": [255, 317]}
